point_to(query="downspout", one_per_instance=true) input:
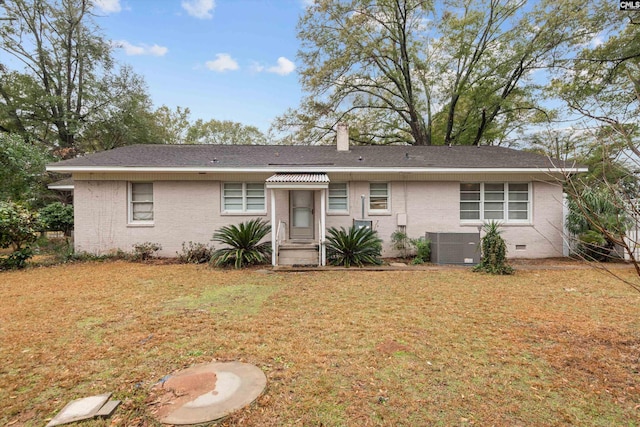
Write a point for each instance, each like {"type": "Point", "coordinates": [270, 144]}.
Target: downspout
{"type": "Point", "coordinates": [274, 248]}
{"type": "Point", "coordinates": [323, 208]}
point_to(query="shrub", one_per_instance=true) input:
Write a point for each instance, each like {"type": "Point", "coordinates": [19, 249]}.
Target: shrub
{"type": "Point", "coordinates": [195, 253]}
{"type": "Point", "coordinates": [400, 242]}
{"type": "Point", "coordinates": [594, 246]}
{"type": "Point", "coordinates": [18, 230]}
{"type": "Point", "coordinates": [243, 241]}
{"type": "Point", "coordinates": [145, 251]}
{"type": "Point", "coordinates": [355, 246]}
{"type": "Point", "coordinates": [18, 226]}
{"type": "Point", "coordinates": [17, 260]}
{"type": "Point", "coordinates": [423, 250]}
{"type": "Point", "coordinates": [598, 219]}
{"type": "Point", "coordinates": [494, 251]}
{"type": "Point", "coordinates": [57, 217]}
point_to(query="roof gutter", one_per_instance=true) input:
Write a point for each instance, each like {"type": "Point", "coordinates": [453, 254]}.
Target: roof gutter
{"type": "Point", "coordinates": [294, 168]}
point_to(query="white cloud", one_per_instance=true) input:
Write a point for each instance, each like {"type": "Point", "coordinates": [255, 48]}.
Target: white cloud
{"type": "Point", "coordinates": [108, 6]}
{"type": "Point", "coordinates": [223, 62]}
{"type": "Point", "coordinates": [156, 50]}
{"type": "Point", "coordinates": [133, 50]}
{"type": "Point", "coordinates": [200, 9]}
{"type": "Point", "coordinates": [283, 68]}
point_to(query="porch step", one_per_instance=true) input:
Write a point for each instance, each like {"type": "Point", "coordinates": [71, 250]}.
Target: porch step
{"type": "Point", "coordinates": [293, 253]}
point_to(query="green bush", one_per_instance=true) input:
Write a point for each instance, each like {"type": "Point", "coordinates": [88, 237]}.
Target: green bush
{"type": "Point", "coordinates": [355, 246]}
{"type": "Point", "coordinates": [18, 230]}
{"type": "Point", "coordinates": [57, 217]}
{"type": "Point", "coordinates": [195, 253]}
{"type": "Point", "coordinates": [594, 246]}
{"type": "Point", "coordinates": [400, 242]}
{"type": "Point", "coordinates": [423, 250]}
{"type": "Point", "coordinates": [598, 218]}
{"type": "Point", "coordinates": [17, 260]}
{"type": "Point", "coordinates": [243, 241]}
{"type": "Point", "coordinates": [145, 251]}
{"type": "Point", "coordinates": [494, 251]}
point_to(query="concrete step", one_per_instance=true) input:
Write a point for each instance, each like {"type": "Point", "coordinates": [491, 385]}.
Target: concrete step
{"type": "Point", "coordinates": [298, 254]}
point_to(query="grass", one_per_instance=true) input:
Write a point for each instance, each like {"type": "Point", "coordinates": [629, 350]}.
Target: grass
{"type": "Point", "coordinates": [339, 348]}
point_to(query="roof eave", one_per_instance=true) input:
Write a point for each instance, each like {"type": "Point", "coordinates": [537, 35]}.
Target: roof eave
{"type": "Point", "coordinates": [294, 168]}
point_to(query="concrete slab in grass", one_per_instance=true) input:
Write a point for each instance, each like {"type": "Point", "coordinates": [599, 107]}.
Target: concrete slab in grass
{"type": "Point", "coordinates": [80, 409]}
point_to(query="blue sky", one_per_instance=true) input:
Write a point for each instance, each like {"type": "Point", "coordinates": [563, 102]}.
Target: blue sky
{"type": "Point", "coordinates": [222, 59]}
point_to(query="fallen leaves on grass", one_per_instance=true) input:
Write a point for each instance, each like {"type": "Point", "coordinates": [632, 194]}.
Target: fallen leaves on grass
{"type": "Point", "coordinates": [364, 348]}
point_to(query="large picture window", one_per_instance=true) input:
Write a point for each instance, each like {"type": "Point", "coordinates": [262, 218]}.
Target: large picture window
{"type": "Point", "coordinates": [243, 197]}
{"type": "Point", "coordinates": [141, 202]}
{"type": "Point", "coordinates": [507, 202]}
{"type": "Point", "coordinates": [338, 197]}
{"type": "Point", "coordinates": [378, 197]}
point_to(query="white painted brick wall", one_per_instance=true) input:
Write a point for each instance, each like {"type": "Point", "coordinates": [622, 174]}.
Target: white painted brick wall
{"type": "Point", "coordinates": [190, 211]}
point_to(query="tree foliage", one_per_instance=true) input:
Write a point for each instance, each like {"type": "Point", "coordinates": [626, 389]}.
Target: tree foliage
{"type": "Point", "coordinates": [224, 132]}
{"type": "Point", "coordinates": [604, 79]}
{"type": "Point", "coordinates": [421, 72]}
{"type": "Point", "coordinates": [57, 217]}
{"type": "Point", "coordinates": [21, 168]}
{"type": "Point", "coordinates": [61, 80]}
{"type": "Point", "coordinates": [18, 230]}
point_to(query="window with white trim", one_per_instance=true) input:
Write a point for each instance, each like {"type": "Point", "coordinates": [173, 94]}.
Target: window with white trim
{"type": "Point", "coordinates": [507, 202]}
{"type": "Point", "coordinates": [378, 197]}
{"type": "Point", "coordinates": [141, 202]}
{"type": "Point", "coordinates": [338, 196]}
{"type": "Point", "coordinates": [243, 197]}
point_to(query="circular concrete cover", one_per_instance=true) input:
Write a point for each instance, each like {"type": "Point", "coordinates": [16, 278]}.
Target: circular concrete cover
{"type": "Point", "coordinates": [207, 392]}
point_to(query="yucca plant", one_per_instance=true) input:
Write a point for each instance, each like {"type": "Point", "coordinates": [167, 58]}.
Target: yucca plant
{"type": "Point", "coordinates": [494, 251]}
{"type": "Point", "coordinates": [355, 246]}
{"type": "Point", "coordinates": [243, 241]}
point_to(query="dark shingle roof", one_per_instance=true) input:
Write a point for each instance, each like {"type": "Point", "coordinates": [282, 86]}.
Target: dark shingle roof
{"type": "Point", "coordinates": [315, 157]}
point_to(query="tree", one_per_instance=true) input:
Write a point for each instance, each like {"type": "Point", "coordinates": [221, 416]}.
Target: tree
{"type": "Point", "coordinates": [21, 168]}
{"type": "Point", "coordinates": [69, 75]}
{"type": "Point", "coordinates": [172, 126]}
{"type": "Point", "coordinates": [128, 120]}
{"type": "Point", "coordinates": [224, 132]}
{"type": "Point", "coordinates": [416, 72]}
{"type": "Point", "coordinates": [603, 88]}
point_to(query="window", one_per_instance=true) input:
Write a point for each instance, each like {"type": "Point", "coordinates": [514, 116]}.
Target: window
{"type": "Point", "coordinates": [518, 201]}
{"type": "Point", "coordinates": [469, 201]}
{"type": "Point", "coordinates": [141, 202]}
{"type": "Point", "coordinates": [243, 197]}
{"type": "Point", "coordinates": [508, 202]}
{"type": "Point", "coordinates": [378, 197]}
{"type": "Point", "coordinates": [338, 197]}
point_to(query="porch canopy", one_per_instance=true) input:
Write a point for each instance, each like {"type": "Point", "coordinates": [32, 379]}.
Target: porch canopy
{"type": "Point", "coordinates": [298, 181]}
{"type": "Point", "coordinates": [310, 181]}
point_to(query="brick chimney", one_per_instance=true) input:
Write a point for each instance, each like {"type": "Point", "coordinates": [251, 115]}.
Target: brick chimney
{"type": "Point", "coordinates": [342, 137]}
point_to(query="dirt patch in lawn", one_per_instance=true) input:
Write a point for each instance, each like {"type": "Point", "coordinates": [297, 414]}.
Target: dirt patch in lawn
{"type": "Point", "coordinates": [348, 347]}
{"type": "Point", "coordinates": [178, 390]}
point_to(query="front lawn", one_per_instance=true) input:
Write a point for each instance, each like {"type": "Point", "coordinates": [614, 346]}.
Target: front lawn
{"type": "Point", "coordinates": [339, 348]}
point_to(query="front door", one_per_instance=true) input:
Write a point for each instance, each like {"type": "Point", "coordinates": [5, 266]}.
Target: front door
{"type": "Point", "coordinates": [301, 214]}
